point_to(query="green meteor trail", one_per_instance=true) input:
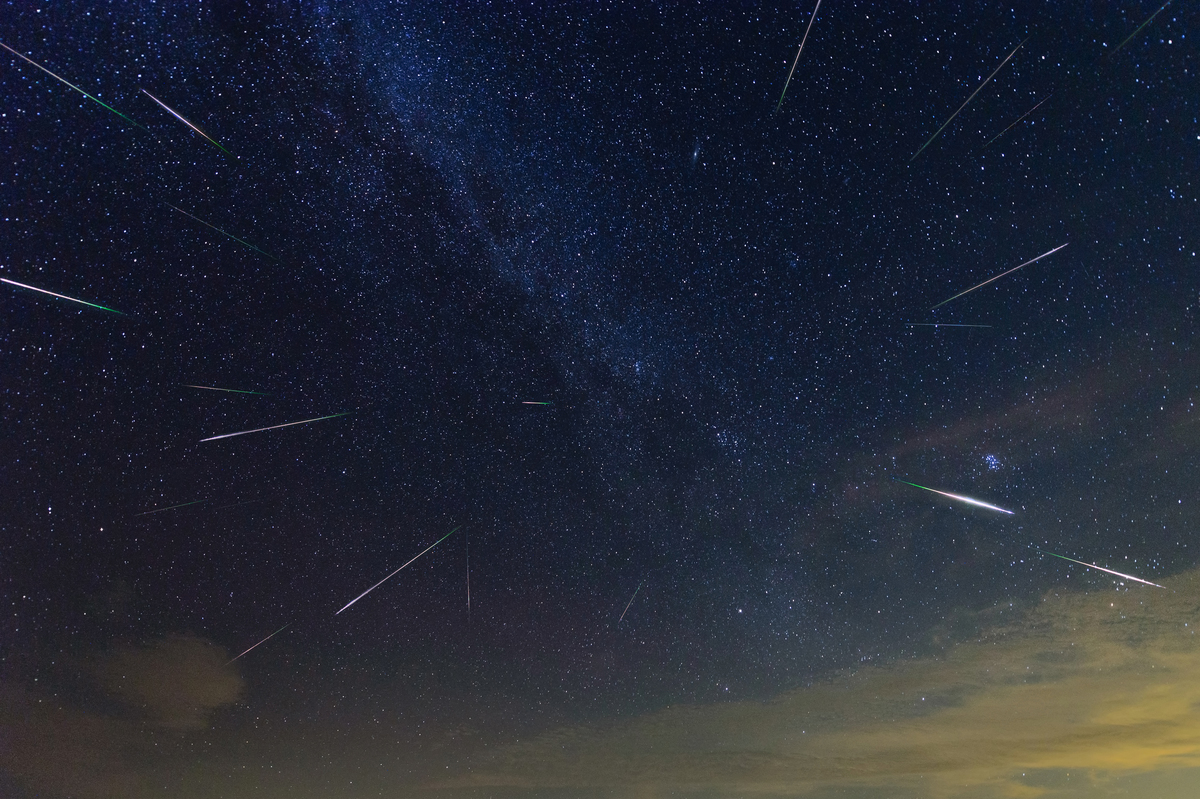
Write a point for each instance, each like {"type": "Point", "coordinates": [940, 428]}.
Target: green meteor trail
{"type": "Point", "coordinates": [275, 426]}
{"type": "Point", "coordinates": [969, 99]}
{"type": "Point", "coordinates": [1139, 27]}
{"type": "Point", "coordinates": [630, 602]}
{"type": "Point", "coordinates": [1101, 568]}
{"type": "Point", "coordinates": [958, 497]}
{"type": "Point", "coordinates": [171, 507]}
{"type": "Point", "coordinates": [72, 85]}
{"type": "Point", "coordinates": [527, 402]}
{"type": "Point", "coordinates": [797, 61]}
{"type": "Point", "coordinates": [60, 296]}
{"type": "Point", "coordinates": [179, 116]}
{"type": "Point", "coordinates": [385, 579]}
{"type": "Point", "coordinates": [233, 390]}
{"type": "Point", "coordinates": [223, 233]}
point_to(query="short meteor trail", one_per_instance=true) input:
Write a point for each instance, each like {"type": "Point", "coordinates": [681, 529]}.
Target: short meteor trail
{"type": "Point", "coordinates": [179, 116]}
{"type": "Point", "coordinates": [1002, 274]}
{"type": "Point", "coordinates": [275, 426]}
{"type": "Point", "coordinates": [60, 296]}
{"type": "Point", "coordinates": [263, 641]}
{"type": "Point", "coordinates": [402, 568]}
{"type": "Point", "coordinates": [969, 99]}
{"type": "Point", "coordinates": [1139, 27]}
{"type": "Point", "coordinates": [223, 233]}
{"type": "Point", "coordinates": [938, 324]}
{"type": "Point", "coordinates": [635, 591]}
{"type": "Point", "coordinates": [72, 85]}
{"type": "Point", "coordinates": [958, 497]}
{"type": "Point", "coordinates": [233, 390]}
{"type": "Point", "coordinates": [797, 61]}
{"type": "Point", "coordinates": [1101, 568]}
{"type": "Point", "coordinates": [170, 507]}
{"type": "Point", "coordinates": [1013, 125]}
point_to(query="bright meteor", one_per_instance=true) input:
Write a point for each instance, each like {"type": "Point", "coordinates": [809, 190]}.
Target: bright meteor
{"type": "Point", "coordinates": [1101, 568]}
{"type": "Point", "coordinates": [797, 61]}
{"type": "Point", "coordinates": [958, 497]}
{"type": "Point", "coordinates": [263, 641]}
{"type": "Point", "coordinates": [178, 116]}
{"type": "Point", "coordinates": [76, 88]}
{"type": "Point", "coordinates": [635, 591]}
{"type": "Point", "coordinates": [1002, 274]}
{"type": "Point", "coordinates": [275, 426]}
{"type": "Point", "coordinates": [60, 296]}
{"type": "Point", "coordinates": [385, 579]}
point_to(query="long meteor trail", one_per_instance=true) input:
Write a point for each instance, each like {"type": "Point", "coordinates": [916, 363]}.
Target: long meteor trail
{"type": "Point", "coordinates": [635, 591]}
{"type": "Point", "coordinates": [797, 61]}
{"type": "Point", "coordinates": [76, 88]}
{"type": "Point", "coordinates": [958, 497]}
{"type": "Point", "coordinates": [275, 426]}
{"type": "Point", "coordinates": [233, 390]}
{"type": "Point", "coordinates": [60, 296]}
{"type": "Point", "coordinates": [939, 324]}
{"type": "Point", "coordinates": [1139, 27]}
{"type": "Point", "coordinates": [1101, 568]}
{"type": "Point", "coordinates": [179, 116]}
{"type": "Point", "coordinates": [223, 233]}
{"type": "Point", "coordinates": [263, 641]}
{"type": "Point", "coordinates": [170, 507]}
{"type": "Point", "coordinates": [969, 99]}
{"type": "Point", "coordinates": [402, 568]}
{"type": "Point", "coordinates": [1002, 274]}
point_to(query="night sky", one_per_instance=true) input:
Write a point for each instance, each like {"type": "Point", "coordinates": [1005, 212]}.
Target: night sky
{"type": "Point", "coordinates": [692, 568]}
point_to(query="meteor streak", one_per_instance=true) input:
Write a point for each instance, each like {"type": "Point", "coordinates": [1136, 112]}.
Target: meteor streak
{"type": "Point", "coordinates": [958, 497]}
{"type": "Point", "coordinates": [171, 507]}
{"type": "Point", "coordinates": [969, 99]}
{"type": "Point", "coordinates": [263, 641]}
{"type": "Point", "coordinates": [1101, 568]}
{"type": "Point", "coordinates": [535, 403]}
{"type": "Point", "coordinates": [938, 324]}
{"type": "Point", "coordinates": [797, 61]}
{"type": "Point", "coordinates": [73, 86]}
{"type": "Point", "coordinates": [60, 296]}
{"type": "Point", "coordinates": [1139, 27]}
{"type": "Point", "coordinates": [639, 588]}
{"type": "Point", "coordinates": [275, 426]}
{"type": "Point", "coordinates": [234, 390]}
{"type": "Point", "coordinates": [1002, 274]}
{"type": "Point", "coordinates": [178, 116]}
{"type": "Point", "coordinates": [223, 233]}
{"type": "Point", "coordinates": [1010, 127]}
{"type": "Point", "coordinates": [402, 568]}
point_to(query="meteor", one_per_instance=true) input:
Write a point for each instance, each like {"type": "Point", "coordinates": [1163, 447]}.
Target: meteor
{"type": "Point", "coordinates": [1101, 568]}
{"type": "Point", "coordinates": [60, 296]}
{"type": "Point", "coordinates": [275, 426]}
{"type": "Point", "coordinates": [171, 507]}
{"type": "Point", "coordinates": [526, 402]}
{"type": "Point", "coordinates": [1010, 127]}
{"type": "Point", "coordinates": [1139, 27]}
{"type": "Point", "coordinates": [223, 233]}
{"type": "Point", "coordinates": [178, 116]}
{"type": "Point", "coordinates": [385, 579]}
{"type": "Point", "coordinates": [958, 497]}
{"type": "Point", "coordinates": [938, 324]}
{"type": "Point", "coordinates": [234, 390]}
{"type": "Point", "coordinates": [797, 61]}
{"type": "Point", "coordinates": [639, 588]}
{"type": "Point", "coordinates": [969, 99]}
{"type": "Point", "coordinates": [72, 85]}
{"type": "Point", "coordinates": [263, 641]}
{"type": "Point", "coordinates": [1002, 274]}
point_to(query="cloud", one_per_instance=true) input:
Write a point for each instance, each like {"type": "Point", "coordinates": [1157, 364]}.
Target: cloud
{"type": "Point", "coordinates": [176, 681]}
{"type": "Point", "coordinates": [1087, 689]}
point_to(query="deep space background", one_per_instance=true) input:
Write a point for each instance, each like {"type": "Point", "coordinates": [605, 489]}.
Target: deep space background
{"type": "Point", "coordinates": [467, 207]}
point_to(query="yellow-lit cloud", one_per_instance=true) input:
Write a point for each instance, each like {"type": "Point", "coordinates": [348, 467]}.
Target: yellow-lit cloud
{"type": "Point", "coordinates": [1088, 688]}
